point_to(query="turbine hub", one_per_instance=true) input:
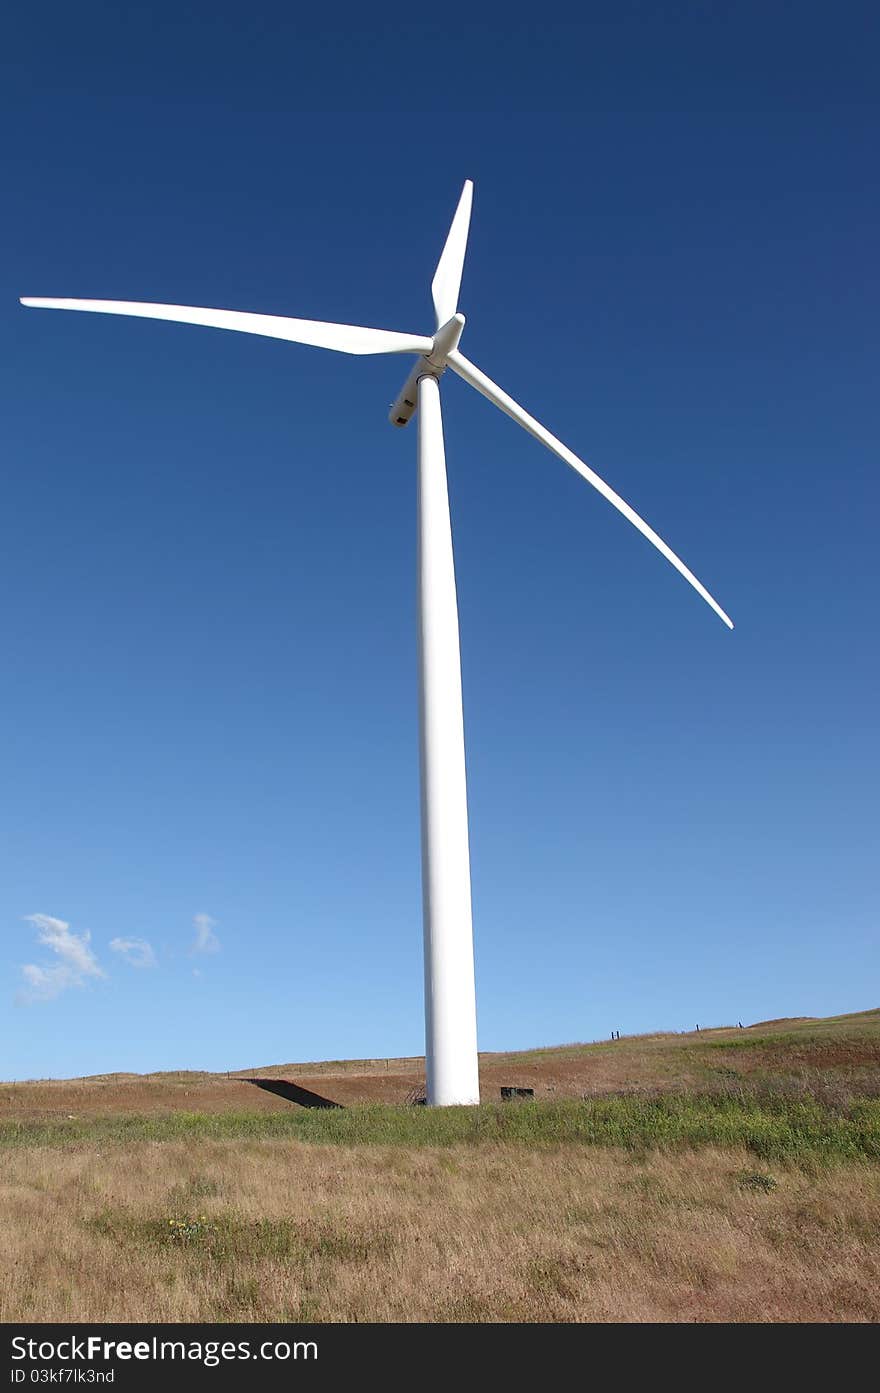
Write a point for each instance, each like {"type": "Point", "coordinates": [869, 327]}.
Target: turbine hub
{"type": "Point", "coordinates": [431, 364]}
{"type": "Point", "coordinates": [445, 340]}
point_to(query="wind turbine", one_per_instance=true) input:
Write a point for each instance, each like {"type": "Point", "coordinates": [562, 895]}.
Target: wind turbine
{"type": "Point", "coordinates": [450, 1004]}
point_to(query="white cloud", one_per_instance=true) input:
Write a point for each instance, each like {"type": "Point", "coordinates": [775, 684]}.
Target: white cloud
{"type": "Point", "coordinates": [77, 963]}
{"type": "Point", "coordinates": [137, 952]}
{"type": "Point", "coordinates": [206, 941]}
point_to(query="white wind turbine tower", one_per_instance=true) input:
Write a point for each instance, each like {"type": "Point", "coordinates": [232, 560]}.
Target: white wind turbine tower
{"type": "Point", "coordinates": [450, 1007]}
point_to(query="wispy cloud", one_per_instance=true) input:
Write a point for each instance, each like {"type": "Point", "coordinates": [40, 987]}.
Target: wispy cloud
{"type": "Point", "coordinates": [206, 941]}
{"type": "Point", "coordinates": [75, 964]}
{"type": "Point", "coordinates": [137, 952]}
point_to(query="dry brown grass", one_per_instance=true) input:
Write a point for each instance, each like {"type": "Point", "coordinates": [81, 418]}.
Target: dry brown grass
{"type": "Point", "coordinates": [83, 1098]}
{"type": "Point", "coordinates": [500, 1233]}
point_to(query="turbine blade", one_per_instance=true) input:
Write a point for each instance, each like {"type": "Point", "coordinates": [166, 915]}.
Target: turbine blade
{"type": "Point", "coordinates": [344, 338]}
{"type": "Point", "coordinates": [447, 277]}
{"type": "Point", "coordinates": [493, 392]}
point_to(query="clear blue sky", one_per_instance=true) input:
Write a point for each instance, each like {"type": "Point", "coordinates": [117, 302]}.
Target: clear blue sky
{"type": "Point", "coordinates": [207, 540]}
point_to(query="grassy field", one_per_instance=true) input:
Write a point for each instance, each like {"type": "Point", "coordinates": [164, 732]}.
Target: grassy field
{"type": "Point", "coordinates": [731, 1175]}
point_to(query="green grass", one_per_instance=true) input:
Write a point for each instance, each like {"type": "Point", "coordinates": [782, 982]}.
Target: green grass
{"type": "Point", "coordinates": [796, 1130]}
{"type": "Point", "coordinates": [228, 1236]}
{"type": "Point", "coordinates": [785, 1041]}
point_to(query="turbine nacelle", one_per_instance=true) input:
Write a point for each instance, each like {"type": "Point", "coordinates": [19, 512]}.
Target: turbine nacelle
{"type": "Point", "coordinates": [431, 364]}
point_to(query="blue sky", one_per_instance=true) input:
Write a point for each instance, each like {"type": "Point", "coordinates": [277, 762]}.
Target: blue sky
{"type": "Point", "coordinates": [209, 741]}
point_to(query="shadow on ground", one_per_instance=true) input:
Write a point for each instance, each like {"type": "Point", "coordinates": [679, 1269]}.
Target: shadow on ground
{"type": "Point", "coordinates": [294, 1093]}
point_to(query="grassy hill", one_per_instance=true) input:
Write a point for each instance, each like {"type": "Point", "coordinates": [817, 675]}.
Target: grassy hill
{"type": "Point", "coordinates": [730, 1174]}
{"type": "Point", "coordinates": [839, 1055]}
